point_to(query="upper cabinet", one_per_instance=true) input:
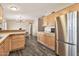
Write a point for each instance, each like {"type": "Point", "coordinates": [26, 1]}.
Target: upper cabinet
{"type": "Point", "coordinates": [1, 13]}
{"type": "Point", "coordinates": [48, 21]}
{"type": "Point", "coordinates": [45, 21]}
{"type": "Point", "coordinates": [51, 20]}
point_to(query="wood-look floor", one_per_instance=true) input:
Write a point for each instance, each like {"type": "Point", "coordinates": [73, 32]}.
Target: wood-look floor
{"type": "Point", "coordinates": [33, 48]}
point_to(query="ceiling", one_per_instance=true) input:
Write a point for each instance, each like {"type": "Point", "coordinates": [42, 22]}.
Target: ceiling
{"type": "Point", "coordinates": [31, 10]}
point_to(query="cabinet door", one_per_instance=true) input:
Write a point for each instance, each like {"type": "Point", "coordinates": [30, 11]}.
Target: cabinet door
{"type": "Point", "coordinates": [46, 40]}
{"type": "Point", "coordinates": [17, 42]}
{"type": "Point", "coordinates": [41, 38]}
{"type": "Point", "coordinates": [52, 42]}
{"type": "Point", "coordinates": [51, 20]}
{"type": "Point", "coordinates": [2, 52]}
{"type": "Point", "coordinates": [7, 46]}
{"type": "Point", "coordinates": [4, 48]}
{"type": "Point", "coordinates": [45, 21]}
{"type": "Point", "coordinates": [49, 41]}
{"type": "Point", "coordinates": [10, 44]}
{"type": "Point", "coordinates": [18, 38]}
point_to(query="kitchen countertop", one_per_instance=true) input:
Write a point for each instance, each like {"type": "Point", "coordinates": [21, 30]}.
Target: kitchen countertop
{"type": "Point", "coordinates": [1, 31]}
{"type": "Point", "coordinates": [7, 34]}
{"type": "Point", "coordinates": [47, 33]}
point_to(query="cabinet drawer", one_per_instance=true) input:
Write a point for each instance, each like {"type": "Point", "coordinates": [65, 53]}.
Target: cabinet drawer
{"type": "Point", "coordinates": [18, 36]}
{"type": "Point", "coordinates": [17, 40]}
{"type": "Point", "coordinates": [17, 45]}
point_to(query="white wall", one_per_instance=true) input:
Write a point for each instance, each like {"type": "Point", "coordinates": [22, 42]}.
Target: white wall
{"type": "Point", "coordinates": [3, 25]}
{"type": "Point", "coordinates": [15, 25]}
{"type": "Point", "coordinates": [35, 27]}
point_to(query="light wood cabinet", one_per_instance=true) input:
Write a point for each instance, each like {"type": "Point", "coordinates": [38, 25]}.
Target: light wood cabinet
{"type": "Point", "coordinates": [4, 48]}
{"type": "Point", "coordinates": [2, 52]}
{"type": "Point", "coordinates": [51, 20]}
{"type": "Point", "coordinates": [17, 42]}
{"type": "Point", "coordinates": [48, 21]}
{"type": "Point", "coordinates": [45, 21]}
{"type": "Point", "coordinates": [40, 36]}
{"type": "Point", "coordinates": [46, 39]}
{"type": "Point", "coordinates": [51, 42]}
{"type": "Point", "coordinates": [11, 43]}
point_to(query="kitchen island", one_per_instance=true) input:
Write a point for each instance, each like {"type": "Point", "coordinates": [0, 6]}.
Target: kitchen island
{"type": "Point", "coordinates": [11, 40]}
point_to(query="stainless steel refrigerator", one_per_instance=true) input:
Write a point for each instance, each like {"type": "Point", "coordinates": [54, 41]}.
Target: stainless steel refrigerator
{"type": "Point", "coordinates": [66, 34]}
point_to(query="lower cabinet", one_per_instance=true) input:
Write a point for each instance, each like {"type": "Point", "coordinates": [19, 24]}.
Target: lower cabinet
{"type": "Point", "coordinates": [51, 42]}
{"type": "Point", "coordinates": [17, 42]}
{"type": "Point", "coordinates": [7, 46]}
{"type": "Point", "coordinates": [2, 52]}
{"type": "Point", "coordinates": [47, 39]}
{"type": "Point", "coordinates": [40, 38]}
{"type": "Point", "coordinates": [4, 48]}
{"type": "Point", "coordinates": [11, 43]}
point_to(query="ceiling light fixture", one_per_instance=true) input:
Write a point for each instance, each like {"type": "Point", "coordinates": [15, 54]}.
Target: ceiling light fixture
{"type": "Point", "coordinates": [13, 8]}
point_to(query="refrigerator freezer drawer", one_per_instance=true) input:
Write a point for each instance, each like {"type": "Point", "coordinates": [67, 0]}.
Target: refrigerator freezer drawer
{"type": "Point", "coordinates": [64, 49]}
{"type": "Point", "coordinates": [71, 50]}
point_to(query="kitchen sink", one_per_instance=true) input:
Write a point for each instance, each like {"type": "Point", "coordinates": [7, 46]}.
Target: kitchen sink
{"type": "Point", "coordinates": [1, 36]}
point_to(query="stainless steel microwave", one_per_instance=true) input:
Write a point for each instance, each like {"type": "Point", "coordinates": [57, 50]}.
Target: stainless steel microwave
{"type": "Point", "coordinates": [49, 29]}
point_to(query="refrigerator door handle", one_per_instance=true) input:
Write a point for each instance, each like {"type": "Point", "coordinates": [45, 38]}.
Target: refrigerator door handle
{"type": "Point", "coordinates": [67, 43]}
